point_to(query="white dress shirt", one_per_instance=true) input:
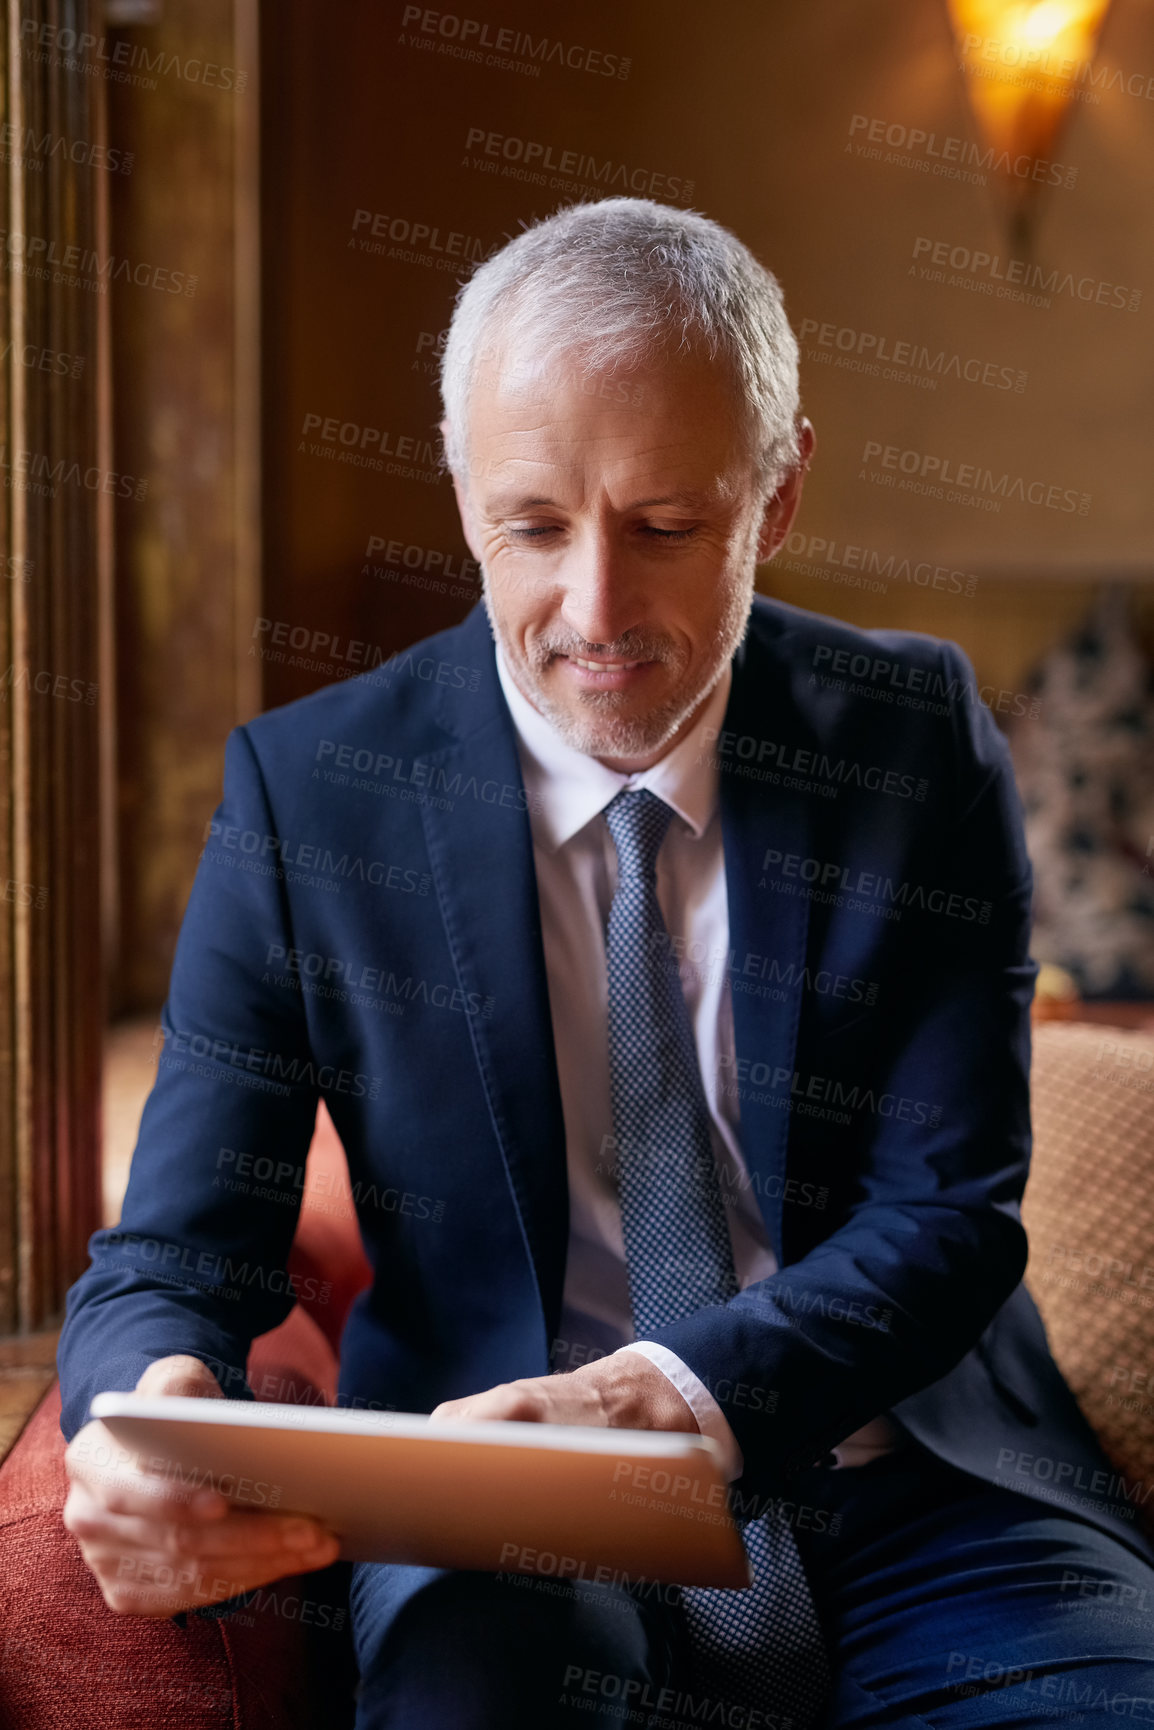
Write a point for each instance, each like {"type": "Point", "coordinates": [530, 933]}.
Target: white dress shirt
{"type": "Point", "coordinates": [576, 866]}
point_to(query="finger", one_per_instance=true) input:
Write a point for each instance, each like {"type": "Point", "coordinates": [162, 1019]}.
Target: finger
{"type": "Point", "coordinates": [238, 1535]}
{"type": "Point", "coordinates": [127, 1491]}
{"type": "Point", "coordinates": [447, 1412]}
{"type": "Point", "coordinates": [155, 1586]}
{"type": "Point", "coordinates": [476, 1406]}
{"type": "Point", "coordinates": [317, 1550]}
{"type": "Point", "coordinates": [156, 1569]}
{"type": "Point", "coordinates": [180, 1374]}
{"type": "Point", "coordinates": [96, 1459]}
{"type": "Point", "coordinates": [515, 1400]}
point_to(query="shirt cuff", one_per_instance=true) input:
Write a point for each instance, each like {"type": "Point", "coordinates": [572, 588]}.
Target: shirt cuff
{"type": "Point", "coordinates": [711, 1419]}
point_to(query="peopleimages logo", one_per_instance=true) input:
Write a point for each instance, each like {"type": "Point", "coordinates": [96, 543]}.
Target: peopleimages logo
{"type": "Point", "coordinates": [428, 560]}
{"type": "Point", "coordinates": [930, 152]}
{"type": "Point", "coordinates": [315, 863]}
{"type": "Point", "coordinates": [878, 676]}
{"type": "Point", "coordinates": [48, 472]}
{"type": "Point", "coordinates": [714, 962]}
{"type": "Point", "coordinates": [1065, 1696]}
{"type": "Point", "coordinates": [345, 979]}
{"type": "Point", "coordinates": [49, 144]}
{"type": "Point", "coordinates": [528, 159]}
{"type": "Point", "coordinates": [861, 567]}
{"type": "Point", "coordinates": [881, 356]}
{"type": "Point", "coordinates": [829, 881]}
{"type": "Point", "coordinates": [1012, 61]}
{"type": "Point", "coordinates": [744, 754]}
{"type": "Point", "coordinates": [367, 447]}
{"type": "Point", "coordinates": [39, 359]}
{"type": "Point", "coordinates": [414, 242]}
{"type": "Point", "coordinates": [1045, 1469]}
{"type": "Point", "coordinates": [255, 1060]}
{"type": "Point", "coordinates": [790, 1086]}
{"type": "Point", "coordinates": [113, 60]}
{"type": "Point", "coordinates": [1016, 278]}
{"type": "Point", "coordinates": [352, 655]}
{"type": "Point", "coordinates": [48, 260]}
{"type": "Point", "coordinates": [45, 684]}
{"type": "Point", "coordinates": [508, 49]}
{"type": "Point", "coordinates": [970, 483]}
{"type": "Point", "coordinates": [425, 783]}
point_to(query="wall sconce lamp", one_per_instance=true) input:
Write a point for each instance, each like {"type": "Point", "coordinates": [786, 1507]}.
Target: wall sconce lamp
{"type": "Point", "coordinates": [1025, 62]}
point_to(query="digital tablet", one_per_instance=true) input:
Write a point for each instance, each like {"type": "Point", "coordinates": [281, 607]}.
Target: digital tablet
{"type": "Point", "coordinates": [577, 1503]}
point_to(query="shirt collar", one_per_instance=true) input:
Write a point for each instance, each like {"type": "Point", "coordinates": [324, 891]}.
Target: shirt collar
{"type": "Point", "coordinates": [567, 788]}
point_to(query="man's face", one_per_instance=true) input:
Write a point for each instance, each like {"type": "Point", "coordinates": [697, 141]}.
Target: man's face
{"type": "Point", "coordinates": [617, 524]}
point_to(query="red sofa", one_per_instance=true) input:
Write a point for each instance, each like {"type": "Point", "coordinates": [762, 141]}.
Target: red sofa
{"type": "Point", "coordinates": [68, 1663]}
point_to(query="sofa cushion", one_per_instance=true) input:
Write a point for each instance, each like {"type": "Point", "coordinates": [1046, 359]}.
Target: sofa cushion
{"type": "Point", "coordinates": [1089, 1214]}
{"type": "Point", "coordinates": [327, 1261]}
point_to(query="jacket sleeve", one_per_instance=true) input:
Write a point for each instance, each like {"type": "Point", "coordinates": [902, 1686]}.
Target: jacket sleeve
{"type": "Point", "coordinates": [932, 1243]}
{"type": "Point", "coordinates": [197, 1262]}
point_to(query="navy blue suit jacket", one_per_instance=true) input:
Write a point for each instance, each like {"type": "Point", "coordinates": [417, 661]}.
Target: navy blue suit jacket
{"type": "Point", "coordinates": [364, 927]}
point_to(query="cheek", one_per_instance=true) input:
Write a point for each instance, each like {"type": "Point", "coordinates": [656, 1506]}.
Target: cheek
{"type": "Point", "coordinates": [707, 589]}
{"type": "Point", "coordinates": [716, 605]}
{"type": "Point", "coordinates": [522, 602]}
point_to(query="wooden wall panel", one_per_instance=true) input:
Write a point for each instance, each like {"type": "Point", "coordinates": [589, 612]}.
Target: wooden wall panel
{"type": "Point", "coordinates": [54, 521]}
{"type": "Point", "coordinates": [186, 353]}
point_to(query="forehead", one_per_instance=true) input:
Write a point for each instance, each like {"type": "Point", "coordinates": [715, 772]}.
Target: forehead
{"type": "Point", "coordinates": [675, 417]}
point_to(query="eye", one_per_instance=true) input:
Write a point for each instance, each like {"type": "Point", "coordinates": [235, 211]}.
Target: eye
{"type": "Point", "coordinates": [540, 531]}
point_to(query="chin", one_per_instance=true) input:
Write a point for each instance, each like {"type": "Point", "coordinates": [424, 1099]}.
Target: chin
{"type": "Point", "coordinates": [599, 734]}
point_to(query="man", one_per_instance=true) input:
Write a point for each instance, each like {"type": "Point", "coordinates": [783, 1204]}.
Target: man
{"type": "Point", "coordinates": [708, 1038]}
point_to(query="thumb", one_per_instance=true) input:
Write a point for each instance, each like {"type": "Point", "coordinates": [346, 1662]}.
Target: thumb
{"type": "Point", "coordinates": [180, 1374]}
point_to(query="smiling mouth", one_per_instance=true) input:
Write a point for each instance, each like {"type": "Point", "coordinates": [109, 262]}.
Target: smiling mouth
{"type": "Point", "coordinates": [605, 666]}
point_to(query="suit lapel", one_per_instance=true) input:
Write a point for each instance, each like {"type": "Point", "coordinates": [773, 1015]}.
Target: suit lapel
{"type": "Point", "coordinates": [758, 816]}
{"type": "Point", "coordinates": [481, 853]}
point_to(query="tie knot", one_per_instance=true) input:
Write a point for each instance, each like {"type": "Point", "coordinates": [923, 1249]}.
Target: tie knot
{"type": "Point", "coordinates": [638, 821]}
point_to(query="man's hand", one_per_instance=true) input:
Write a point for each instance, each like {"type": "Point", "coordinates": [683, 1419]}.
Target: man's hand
{"type": "Point", "coordinates": [620, 1392]}
{"type": "Point", "coordinates": [157, 1547]}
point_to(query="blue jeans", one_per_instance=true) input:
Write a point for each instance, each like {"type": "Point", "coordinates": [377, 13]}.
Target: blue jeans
{"type": "Point", "coordinates": [946, 1602]}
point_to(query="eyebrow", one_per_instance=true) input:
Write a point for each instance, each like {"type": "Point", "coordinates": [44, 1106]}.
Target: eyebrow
{"type": "Point", "coordinates": [686, 498]}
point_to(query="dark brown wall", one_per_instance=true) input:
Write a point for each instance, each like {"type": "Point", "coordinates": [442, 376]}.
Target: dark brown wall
{"type": "Point", "coordinates": [752, 105]}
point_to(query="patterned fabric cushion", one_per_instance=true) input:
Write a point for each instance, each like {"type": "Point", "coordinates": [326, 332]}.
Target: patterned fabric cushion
{"type": "Point", "coordinates": [1084, 764]}
{"type": "Point", "coordinates": [1089, 1212]}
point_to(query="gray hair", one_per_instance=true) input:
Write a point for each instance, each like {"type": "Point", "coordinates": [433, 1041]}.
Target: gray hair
{"type": "Point", "coordinates": [621, 279]}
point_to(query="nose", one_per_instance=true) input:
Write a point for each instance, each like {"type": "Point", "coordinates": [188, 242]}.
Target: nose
{"type": "Point", "coordinates": [602, 600]}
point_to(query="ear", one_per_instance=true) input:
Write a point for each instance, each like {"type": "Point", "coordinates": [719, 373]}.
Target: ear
{"type": "Point", "coordinates": [461, 491]}
{"type": "Point", "coordinates": [781, 507]}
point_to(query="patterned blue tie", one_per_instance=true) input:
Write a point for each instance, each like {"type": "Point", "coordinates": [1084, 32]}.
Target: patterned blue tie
{"type": "Point", "coordinates": [760, 1647]}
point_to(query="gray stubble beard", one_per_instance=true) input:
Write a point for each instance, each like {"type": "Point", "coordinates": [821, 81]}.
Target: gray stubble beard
{"type": "Point", "coordinates": [603, 735]}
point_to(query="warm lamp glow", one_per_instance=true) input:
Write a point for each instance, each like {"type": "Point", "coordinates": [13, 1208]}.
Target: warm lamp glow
{"type": "Point", "coordinates": [1024, 61]}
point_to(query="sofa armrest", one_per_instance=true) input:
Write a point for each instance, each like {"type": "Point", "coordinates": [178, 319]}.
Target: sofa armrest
{"type": "Point", "coordinates": [273, 1663]}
